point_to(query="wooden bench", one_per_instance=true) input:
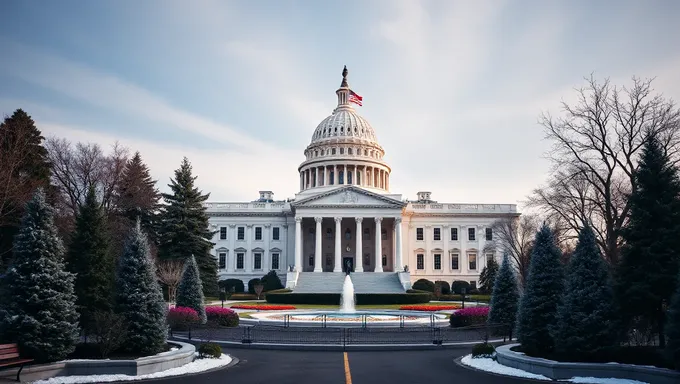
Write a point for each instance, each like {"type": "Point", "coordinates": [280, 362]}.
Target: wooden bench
{"type": "Point", "coordinates": [9, 356]}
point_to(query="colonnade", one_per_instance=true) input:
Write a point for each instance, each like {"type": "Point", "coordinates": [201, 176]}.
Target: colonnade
{"type": "Point", "coordinates": [350, 174]}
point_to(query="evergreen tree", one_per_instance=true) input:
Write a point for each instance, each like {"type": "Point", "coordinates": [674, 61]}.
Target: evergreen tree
{"type": "Point", "coordinates": [137, 196]}
{"type": "Point", "coordinates": [39, 304]}
{"type": "Point", "coordinates": [271, 281]}
{"type": "Point", "coordinates": [89, 260]}
{"type": "Point", "coordinates": [505, 297]}
{"type": "Point", "coordinates": [487, 278]}
{"type": "Point", "coordinates": [190, 291]}
{"type": "Point", "coordinates": [138, 296]}
{"type": "Point", "coordinates": [537, 313]}
{"type": "Point", "coordinates": [646, 276]}
{"type": "Point", "coordinates": [184, 227]}
{"type": "Point", "coordinates": [26, 167]}
{"type": "Point", "coordinates": [673, 328]}
{"type": "Point", "coordinates": [585, 317]}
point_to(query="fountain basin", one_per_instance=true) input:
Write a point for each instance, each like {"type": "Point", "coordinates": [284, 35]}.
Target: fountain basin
{"type": "Point", "coordinates": [353, 319]}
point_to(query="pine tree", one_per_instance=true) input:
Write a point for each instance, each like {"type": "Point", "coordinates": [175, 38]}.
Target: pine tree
{"type": "Point", "coordinates": [184, 227]}
{"type": "Point", "coordinates": [673, 328]}
{"type": "Point", "coordinates": [537, 313]}
{"type": "Point", "coordinates": [89, 260]}
{"type": "Point", "coordinates": [646, 276]}
{"type": "Point", "coordinates": [487, 278]}
{"type": "Point", "coordinates": [138, 296]}
{"type": "Point", "coordinates": [505, 297]}
{"type": "Point", "coordinates": [585, 317]}
{"type": "Point", "coordinates": [40, 302]}
{"type": "Point", "coordinates": [26, 167]}
{"type": "Point", "coordinates": [190, 291]}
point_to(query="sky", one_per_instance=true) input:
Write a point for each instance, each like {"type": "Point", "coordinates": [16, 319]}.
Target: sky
{"type": "Point", "coordinates": [453, 89]}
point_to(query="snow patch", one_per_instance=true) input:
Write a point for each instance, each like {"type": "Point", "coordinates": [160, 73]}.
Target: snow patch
{"type": "Point", "coordinates": [489, 365]}
{"type": "Point", "coordinates": [196, 366]}
{"type": "Point", "coordinates": [601, 380]}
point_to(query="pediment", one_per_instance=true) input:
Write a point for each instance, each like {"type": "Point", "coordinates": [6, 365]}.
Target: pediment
{"type": "Point", "coordinates": [349, 197]}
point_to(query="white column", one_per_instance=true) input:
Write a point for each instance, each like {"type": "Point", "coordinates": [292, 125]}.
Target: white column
{"type": "Point", "coordinates": [249, 250]}
{"type": "Point", "coordinates": [378, 245]}
{"type": "Point", "coordinates": [398, 263]}
{"type": "Point", "coordinates": [358, 259]}
{"type": "Point", "coordinates": [344, 175]}
{"type": "Point", "coordinates": [231, 256]}
{"type": "Point", "coordinates": [302, 181]}
{"type": "Point", "coordinates": [317, 246]}
{"type": "Point", "coordinates": [266, 262]}
{"type": "Point", "coordinates": [335, 175]}
{"type": "Point", "coordinates": [316, 176]}
{"type": "Point", "coordinates": [298, 244]}
{"type": "Point", "coordinates": [338, 249]}
{"type": "Point", "coordinates": [463, 236]}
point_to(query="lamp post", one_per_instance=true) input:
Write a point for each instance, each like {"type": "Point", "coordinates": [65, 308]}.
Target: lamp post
{"type": "Point", "coordinates": [462, 292]}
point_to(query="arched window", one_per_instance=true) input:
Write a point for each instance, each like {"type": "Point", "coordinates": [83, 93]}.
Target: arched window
{"type": "Point", "coordinates": [348, 234]}
{"type": "Point", "coordinates": [329, 233]}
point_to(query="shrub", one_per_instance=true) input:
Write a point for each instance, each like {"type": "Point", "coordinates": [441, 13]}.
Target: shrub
{"type": "Point", "coordinates": [483, 350]}
{"type": "Point", "coordinates": [428, 308]}
{"type": "Point", "coordinates": [228, 284]}
{"type": "Point", "coordinates": [446, 288]}
{"type": "Point", "coordinates": [209, 350]}
{"type": "Point", "coordinates": [468, 298]}
{"type": "Point", "coordinates": [271, 281]}
{"type": "Point", "coordinates": [264, 307]}
{"type": "Point", "coordinates": [110, 331]}
{"type": "Point", "coordinates": [222, 316]}
{"type": "Point", "coordinates": [469, 316]}
{"type": "Point", "coordinates": [181, 318]}
{"type": "Point", "coordinates": [251, 285]}
{"type": "Point", "coordinates": [423, 285]}
{"type": "Point", "coordinates": [243, 296]}
{"type": "Point", "coordinates": [458, 285]}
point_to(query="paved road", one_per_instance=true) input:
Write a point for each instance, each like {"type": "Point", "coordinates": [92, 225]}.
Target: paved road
{"type": "Point", "coordinates": [296, 367]}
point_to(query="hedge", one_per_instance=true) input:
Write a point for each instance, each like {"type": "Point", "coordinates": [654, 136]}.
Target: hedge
{"type": "Point", "coordinates": [361, 299]}
{"type": "Point", "coordinates": [473, 298]}
{"type": "Point", "coordinates": [229, 283]}
{"type": "Point", "coordinates": [423, 285]}
{"type": "Point", "coordinates": [243, 296]}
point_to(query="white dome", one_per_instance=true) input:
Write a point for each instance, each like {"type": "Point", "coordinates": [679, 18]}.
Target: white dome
{"type": "Point", "coordinates": [344, 122]}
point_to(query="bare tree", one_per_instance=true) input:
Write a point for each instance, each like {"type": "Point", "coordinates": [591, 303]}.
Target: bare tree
{"type": "Point", "coordinates": [515, 236]}
{"type": "Point", "coordinates": [170, 273]}
{"type": "Point", "coordinates": [595, 156]}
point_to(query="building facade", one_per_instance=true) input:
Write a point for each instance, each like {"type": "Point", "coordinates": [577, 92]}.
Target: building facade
{"type": "Point", "coordinates": [345, 217]}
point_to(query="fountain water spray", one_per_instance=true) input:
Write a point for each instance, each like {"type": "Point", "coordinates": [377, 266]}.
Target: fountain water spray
{"type": "Point", "coordinates": [347, 296]}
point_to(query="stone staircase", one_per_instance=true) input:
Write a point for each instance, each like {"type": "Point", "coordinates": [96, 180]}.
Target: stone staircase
{"type": "Point", "coordinates": [364, 282]}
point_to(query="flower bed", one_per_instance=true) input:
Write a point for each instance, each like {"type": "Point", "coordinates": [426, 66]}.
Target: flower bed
{"type": "Point", "coordinates": [428, 308]}
{"type": "Point", "coordinates": [469, 316]}
{"type": "Point", "coordinates": [222, 316]}
{"type": "Point", "coordinates": [264, 307]}
{"type": "Point", "coordinates": [180, 318]}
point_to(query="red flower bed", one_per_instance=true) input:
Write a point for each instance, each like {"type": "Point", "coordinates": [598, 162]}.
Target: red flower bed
{"type": "Point", "coordinates": [222, 316]}
{"type": "Point", "coordinates": [428, 308]}
{"type": "Point", "coordinates": [265, 307]}
{"type": "Point", "coordinates": [181, 318]}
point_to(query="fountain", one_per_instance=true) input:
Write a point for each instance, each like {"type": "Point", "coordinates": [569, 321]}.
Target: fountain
{"type": "Point", "coordinates": [347, 296]}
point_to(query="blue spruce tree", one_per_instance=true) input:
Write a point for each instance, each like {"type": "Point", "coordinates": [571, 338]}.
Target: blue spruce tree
{"type": "Point", "coordinates": [673, 328]}
{"type": "Point", "coordinates": [190, 290]}
{"type": "Point", "coordinates": [537, 313]}
{"type": "Point", "coordinates": [139, 298]}
{"type": "Point", "coordinates": [585, 317]}
{"type": "Point", "coordinates": [505, 297]}
{"type": "Point", "coordinates": [40, 303]}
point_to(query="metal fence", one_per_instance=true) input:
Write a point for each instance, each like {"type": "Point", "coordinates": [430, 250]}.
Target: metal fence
{"type": "Point", "coordinates": [263, 334]}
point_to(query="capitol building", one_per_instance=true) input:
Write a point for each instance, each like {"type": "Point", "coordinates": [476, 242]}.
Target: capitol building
{"type": "Point", "coordinates": [346, 217]}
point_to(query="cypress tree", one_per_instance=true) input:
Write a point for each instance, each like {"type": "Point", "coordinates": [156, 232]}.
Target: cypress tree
{"type": "Point", "coordinates": [585, 317]}
{"type": "Point", "coordinates": [646, 276]}
{"type": "Point", "coordinates": [505, 297]}
{"type": "Point", "coordinates": [138, 296]}
{"type": "Point", "coordinates": [184, 227]}
{"type": "Point", "coordinates": [89, 260]}
{"type": "Point", "coordinates": [39, 304]}
{"type": "Point", "coordinates": [487, 278]}
{"type": "Point", "coordinates": [673, 328]}
{"type": "Point", "coordinates": [537, 313]}
{"type": "Point", "coordinates": [190, 291]}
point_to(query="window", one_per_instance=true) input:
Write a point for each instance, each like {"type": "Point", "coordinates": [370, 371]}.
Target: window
{"type": "Point", "coordinates": [349, 151]}
{"type": "Point", "coordinates": [342, 150]}
{"type": "Point", "coordinates": [311, 260]}
{"type": "Point", "coordinates": [365, 152]}
{"type": "Point", "coordinates": [342, 177]}
{"type": "Point", "coordinates": [359, 178]}
{"type": "Point", "coordinates": [275, 233]}
{"type": "Point", "coordinates": [333, 151]}
{"type": "Point", "coordinates": [454, 261]}
{"type": "Point", "coordinates": [472, 260]}
{"type": "Point", "coordinates": [258, 233]}
{"type": "Point", "coordinates": [328, 260]}
{"type": "Point", "coordinates": [489, 234]}
{"type": "Point", "coordinates": [471, 234]}
{"type": "Point", "coordinates": [367, 234]}
{"type": "Point", "coordinates": [329, 234]}
{"type": "Point", "coordinates": [258, 261]}
{"type": "Point", "coordinates": [223, 260]}
{"type": "Point", "coordinates": [311, 233]}
{"type": "Point", "coordinates": [384, 234]}
{"type": "Point", "coordinates": [332, 173]}
{"type": "Point", "coordinates": [420, 261]}
{"type": "Point", "coordinates": [489, 257]}
{"type": "Point", "coordinates": [349, 177]}
{"type": "Point", "coordinates": [367, 259]}
{"type": "Point", "coordinates": [241, 233]}
{"type": "Point", "coordinates": [437, 261]}
{"type": "Point", "coordinates": [239, 260]}
{"type": "Point", "coordinates": [275, 261]}
{"type": "Point", "coordinates": [223, 233]}
{"type": "Point", "coordinates": [384, 260]}
{"type": "Point", "coordinates": [454, 234]}
{"type": "Point", "coordinates": [419, 234]}
{"type": "Point", "coordinates": [348, 234]}
{"type": "Point", "coordinates": [437, 234]}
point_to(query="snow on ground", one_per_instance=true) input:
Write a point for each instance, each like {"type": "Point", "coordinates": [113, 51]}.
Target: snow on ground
{"type": "Point", "coordinates": [198, 365]}
{"type": "Point", "coordinates": [490, 365]}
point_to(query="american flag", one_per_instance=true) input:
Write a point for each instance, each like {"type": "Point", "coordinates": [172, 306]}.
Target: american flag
{"type": "Point", "coordinates": [354, 98]}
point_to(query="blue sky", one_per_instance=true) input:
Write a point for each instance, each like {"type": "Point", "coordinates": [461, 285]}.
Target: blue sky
{"type": "Point", "coordinates": [453, 89]}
